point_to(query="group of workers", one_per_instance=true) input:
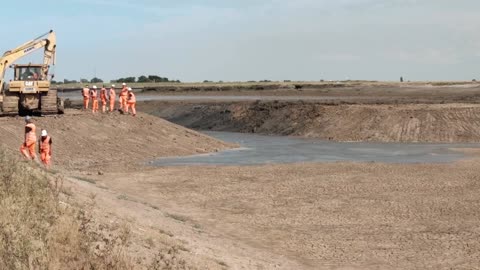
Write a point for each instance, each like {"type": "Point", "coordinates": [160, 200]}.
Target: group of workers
{"type": "Point", "coordinates": [30, 141]}
{"type": "Point", "coordinates": [127, 101]}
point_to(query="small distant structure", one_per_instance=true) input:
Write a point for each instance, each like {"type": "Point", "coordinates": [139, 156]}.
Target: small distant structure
{"type": "Point", "coordinates": [401, 79]}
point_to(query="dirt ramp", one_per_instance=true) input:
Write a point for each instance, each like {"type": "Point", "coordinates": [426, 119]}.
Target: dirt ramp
{"type": "Point", "coordinates": [86, 141]}
{"type": "Point", "coordinates": [381, 123]}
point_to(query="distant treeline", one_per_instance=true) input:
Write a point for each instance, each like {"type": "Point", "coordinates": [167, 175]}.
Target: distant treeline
{"type": "Point", "coordinates": [140, 79]}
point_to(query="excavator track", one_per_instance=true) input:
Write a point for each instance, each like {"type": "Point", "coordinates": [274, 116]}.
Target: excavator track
{"type": "Point", "coordinates": [10, 103]}
{"type": "Point", "coordinates": [49, 103]}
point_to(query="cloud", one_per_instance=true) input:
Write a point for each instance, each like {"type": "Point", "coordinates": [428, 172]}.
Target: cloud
{"type": "Point", "coordinates": [260, 39]}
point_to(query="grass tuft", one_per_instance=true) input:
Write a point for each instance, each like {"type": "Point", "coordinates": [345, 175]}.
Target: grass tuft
{"type": "Point", "coordinates": [37, 231]}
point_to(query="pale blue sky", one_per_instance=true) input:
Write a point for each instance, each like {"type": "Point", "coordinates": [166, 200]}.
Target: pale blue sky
{"type": "Point", "coordinates": [255, 39]}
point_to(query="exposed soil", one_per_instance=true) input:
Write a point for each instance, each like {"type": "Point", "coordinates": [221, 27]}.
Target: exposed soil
{"type": "Point", "coordinates": [324, 216]}
{"type": "Point", "coordinates": [293, 216]}
{"type": "Point", "coordinates": [419, 89]}
{"type": "Point", "coordinates": [383, 123]}
{"type": "Point", "coordinates": [82, 141]}
{"type": "Point", "coordinates": [347, 93]}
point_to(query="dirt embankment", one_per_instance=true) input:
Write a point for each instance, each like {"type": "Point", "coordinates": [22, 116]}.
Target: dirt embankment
{"type": "Point", "coordinates": [85, 141]}
{"type": "Point", "coordinates": [383, 123]}
{"type": "Point", "coordinates": [240, 87]}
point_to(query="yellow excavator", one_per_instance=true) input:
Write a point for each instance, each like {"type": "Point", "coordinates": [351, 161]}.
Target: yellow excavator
{"type": "Point", "coordinates": [29, 92]}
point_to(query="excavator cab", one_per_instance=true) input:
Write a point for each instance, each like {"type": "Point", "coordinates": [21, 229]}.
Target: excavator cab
{"type": "Point", "coordinates": [28, 73]}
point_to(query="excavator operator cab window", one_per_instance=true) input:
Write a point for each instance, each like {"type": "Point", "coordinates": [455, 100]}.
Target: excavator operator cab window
{"type": "Point", "coordinates": [27, 73]}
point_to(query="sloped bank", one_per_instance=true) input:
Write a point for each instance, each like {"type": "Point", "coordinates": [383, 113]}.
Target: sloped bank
{"type": "Point", "coordinates": [83, 141]}
{"type": "Point", "coordinates": [379, 123]}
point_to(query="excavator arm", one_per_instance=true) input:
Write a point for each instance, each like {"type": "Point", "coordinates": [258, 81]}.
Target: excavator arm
{"type": "Point", "coordinates": [47, 41]}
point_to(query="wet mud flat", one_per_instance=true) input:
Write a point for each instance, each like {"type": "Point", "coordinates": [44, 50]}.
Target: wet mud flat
{"type": "Point", "coordinates": [258, 150]}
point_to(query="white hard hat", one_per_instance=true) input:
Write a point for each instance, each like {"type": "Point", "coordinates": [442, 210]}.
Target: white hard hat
{"type": "Point", "coordinates": [44, 133]}
{"type": "Point", "coordinates": [129, 89]}
{"type": "Point", "coordinates": [94, 87]}
{"type": "Point", "coordinates": [113, 85]}
{"type": "Point", "coordinates": [124, 84]}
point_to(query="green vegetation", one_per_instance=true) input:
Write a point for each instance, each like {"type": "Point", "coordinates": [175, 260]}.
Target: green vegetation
{"type": "Point", "coordinates": [141, 79]}
{"type": "Point", "coordinates": [96, 80]}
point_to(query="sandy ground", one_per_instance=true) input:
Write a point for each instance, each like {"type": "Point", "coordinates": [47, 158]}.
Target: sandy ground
{"type": "Point", "coordinates": [320, 216]}
{"type": "Point", "coordinates": [297, 216]}
{"type": "Point", "coordinates": [86, 142]}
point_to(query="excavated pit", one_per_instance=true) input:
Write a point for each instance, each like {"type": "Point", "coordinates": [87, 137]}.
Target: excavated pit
{"type": "Point", "coordinates": [432, 123]}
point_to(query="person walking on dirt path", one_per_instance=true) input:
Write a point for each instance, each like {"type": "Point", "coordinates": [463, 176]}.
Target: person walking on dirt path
{"type": "Point", "coordinates": [93, 94]}
{"type": "Point", "coordinates": [86, 97]}
{"type": "Point", "coordinates": [131, 103]}
{"type": "Point", "coordinates": [112, 97]}
{"type": "Point", "coordinates": [123, 97]}
{"type": "Point", "coordinates": [30, 139]}
{"type": "Point", "coordinates": [103, 98]}
{"type": "Point", "coordinates": [45, 149]}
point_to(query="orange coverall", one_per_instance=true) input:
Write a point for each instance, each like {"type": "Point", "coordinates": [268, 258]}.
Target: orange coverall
{"type": "Point", "coordinates": [93, 94]}
{"type": "Point", "coordinates": [112, 99]}
{"type": "Point", "coordinates": [46, 150]}
{"type": "Point", "coordinates": [86, 97]}
{"type": "Point", "coordinates": [123, 98]}
{"type": "Point", "coordinates": [103, 98]}
{"type": "Point", "coordinates": [29, 142]}
{"type": "Point", "coordinates": [131, 103]}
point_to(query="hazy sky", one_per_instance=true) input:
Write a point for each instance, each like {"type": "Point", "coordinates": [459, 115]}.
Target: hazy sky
{"type": "Point", "coordinates": [255, 39]}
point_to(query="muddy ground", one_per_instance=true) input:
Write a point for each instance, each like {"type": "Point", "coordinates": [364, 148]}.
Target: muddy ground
{"type": "Point", "coordinates": [290, 216]}
{"type": "Point", "coordinates": [382, 112]}
{"type": "Point", "coordinates": [379, 123]}
{"type": "Point", "coordinates": [390, 112]}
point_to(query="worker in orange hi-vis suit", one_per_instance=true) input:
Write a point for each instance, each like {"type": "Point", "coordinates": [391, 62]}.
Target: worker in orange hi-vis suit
{"type": "Point", "coordinates": [112, 97]}
{"type": "Point", "coordinates": [45, 149]}
{"type": "Point", "coordinates": [29, 140]}
{"type": "Point", "coordinates": [93, 95]}
{"type": "Point", "coordinates": [86, 97]}
{"type": "Point", "coordinates": [103, 98]}
{"type": "Point", "coordinates": [131, 102]}
{"type": "Point", "coordinates": [123, 97]}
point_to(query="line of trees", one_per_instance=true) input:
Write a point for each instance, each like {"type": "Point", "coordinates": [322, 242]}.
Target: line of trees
{"type": "Point", "coordinates": [145, 79]}
{"type": "Point", "coordinates": [140, 79]}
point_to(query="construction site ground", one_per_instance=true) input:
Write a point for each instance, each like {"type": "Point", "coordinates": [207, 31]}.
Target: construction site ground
{"type": "Point", "coordinates": [341, 215]}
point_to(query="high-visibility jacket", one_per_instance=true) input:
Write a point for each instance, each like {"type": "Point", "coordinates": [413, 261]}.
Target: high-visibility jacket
{"type": "Point", "coordinates": [45, 144]}
{"type": "Point", "coordinates": [131, 98]}
{"type": "Point", "coordinates": [30, 136]}
{"type": "Point", "coordinates": [85, 92]}
{"type": "Point", "coordinates": [103, 94]}
{"type": "Point", "coordinates": [112, 93]}
{"type": "Point", "coordinates": [93, 94]}
{"type": "Point", "coordinates": [124, 92]}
